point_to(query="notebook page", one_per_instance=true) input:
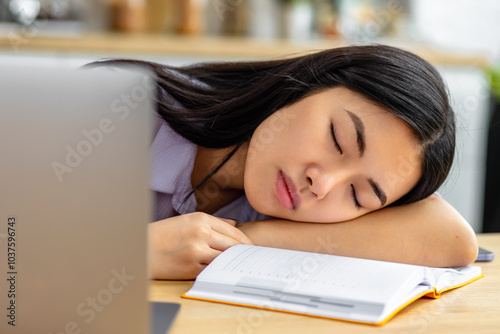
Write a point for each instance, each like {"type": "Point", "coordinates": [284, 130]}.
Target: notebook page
{"type": "Point", "coordinates": [451, 277]}
{"type": "Point", "coordinates": [319, 275]}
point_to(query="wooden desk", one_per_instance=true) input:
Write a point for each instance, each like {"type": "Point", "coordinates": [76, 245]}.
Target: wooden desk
{"type": "Point", "coordinates": [474, 308]}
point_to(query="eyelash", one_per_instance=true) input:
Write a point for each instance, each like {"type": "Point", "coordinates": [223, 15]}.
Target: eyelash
{"type": "Point", "coordinates": [354, 198]}
{"type": "Point", "coordinates": [337, 146]}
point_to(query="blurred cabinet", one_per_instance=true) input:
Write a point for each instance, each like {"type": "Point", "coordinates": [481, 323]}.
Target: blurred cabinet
{"type": "Point", "coordinates": [470, 98]}
{"type": "Point", "coordinates": [161, 15]}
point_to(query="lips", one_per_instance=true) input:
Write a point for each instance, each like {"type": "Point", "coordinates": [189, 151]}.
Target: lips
{"type": "Point", "coordinates": [286, 192]}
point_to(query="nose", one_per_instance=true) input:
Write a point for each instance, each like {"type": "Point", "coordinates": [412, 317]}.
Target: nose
{"type": "Point", "coordinates": [321, 181]}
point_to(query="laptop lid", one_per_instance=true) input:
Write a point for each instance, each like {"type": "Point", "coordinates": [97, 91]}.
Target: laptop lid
{"type": "Point", "coordinates": [74, 200]}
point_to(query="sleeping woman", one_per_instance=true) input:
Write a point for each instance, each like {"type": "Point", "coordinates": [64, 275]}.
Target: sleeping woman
{"type": "Point", "coordinates": [337, 152]}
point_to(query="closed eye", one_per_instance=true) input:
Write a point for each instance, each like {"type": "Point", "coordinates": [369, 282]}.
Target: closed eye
{"type": "Point", "coordinates": [337, 146]}
{"type": "Point", "coordinates": [354, 198]}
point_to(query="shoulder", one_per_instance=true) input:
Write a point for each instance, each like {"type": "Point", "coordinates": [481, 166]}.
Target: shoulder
{"type": "Point", "coordinates": [172, 156]}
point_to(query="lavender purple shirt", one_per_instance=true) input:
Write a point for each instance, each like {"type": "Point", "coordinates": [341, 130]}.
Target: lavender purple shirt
{"type": "Point", "coordinates": [172, 164]}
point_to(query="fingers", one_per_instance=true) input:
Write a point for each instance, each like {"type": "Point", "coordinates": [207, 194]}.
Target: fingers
{"type": "Point", "coordinates": [208, 256]}
{"type": "Point", "coordinates": [232, 221]}
{"type": "Point", "coordinates": [231, 232]}
{"type": "Point", "coordinates": [222, 242]}
{"type": "Point", "coordinates": [181, 246]}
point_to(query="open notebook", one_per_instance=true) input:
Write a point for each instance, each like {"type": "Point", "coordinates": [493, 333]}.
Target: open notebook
{"type": "Point", "coordinates": [329, 286]}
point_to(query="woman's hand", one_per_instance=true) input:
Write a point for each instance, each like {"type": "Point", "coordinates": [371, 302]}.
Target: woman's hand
{"type": "Point", "coordinates": [180, 247]}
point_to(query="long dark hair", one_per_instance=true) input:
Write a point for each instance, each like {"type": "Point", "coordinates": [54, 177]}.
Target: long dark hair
{"type": "Point", "coordinates": [223, 103]}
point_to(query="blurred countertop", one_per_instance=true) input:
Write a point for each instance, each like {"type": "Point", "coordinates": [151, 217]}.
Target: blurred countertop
{"type": "Point", "coordinates": [208, 46]}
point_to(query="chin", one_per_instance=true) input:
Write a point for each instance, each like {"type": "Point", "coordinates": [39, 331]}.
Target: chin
{"type": "Point", "coordinates": [261, 205]}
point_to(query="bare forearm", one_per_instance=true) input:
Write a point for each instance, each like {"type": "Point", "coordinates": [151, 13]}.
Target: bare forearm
{"type": "Point", "coordinates": [429, 233]}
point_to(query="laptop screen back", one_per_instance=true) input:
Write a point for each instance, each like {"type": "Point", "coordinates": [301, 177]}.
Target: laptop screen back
{"type": "Point", "coordinates": [74, 200]}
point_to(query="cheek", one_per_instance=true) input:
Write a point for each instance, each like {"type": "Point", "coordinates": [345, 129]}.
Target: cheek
{"type": "Point", "coordinates": [264, 142]}
{"type": "Point", "coordinates": [257, 168]}
{"type": "Point", "coordinates": [276, 134]}
{"type": "Point", "coordinates": [258, 195]}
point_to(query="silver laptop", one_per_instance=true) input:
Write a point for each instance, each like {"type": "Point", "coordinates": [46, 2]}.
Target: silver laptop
{"type": "Point", "coordinates": [74, 202]}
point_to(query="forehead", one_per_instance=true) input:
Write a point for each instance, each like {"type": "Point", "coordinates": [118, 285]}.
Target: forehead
{"type": "Point", "coordinates": [348, 98]}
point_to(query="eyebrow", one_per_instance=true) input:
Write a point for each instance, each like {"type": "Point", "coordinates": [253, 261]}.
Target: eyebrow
{"type": "Point", "coordinates": [378, 192]}
{"type": "Point", "coordinates": [360, 131]}
{"type": "Point", "coordinates": [361, 140]}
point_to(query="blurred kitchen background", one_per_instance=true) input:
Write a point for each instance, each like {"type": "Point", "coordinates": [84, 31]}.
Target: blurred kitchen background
{"type": "Point", "coordinates": [460, 37]}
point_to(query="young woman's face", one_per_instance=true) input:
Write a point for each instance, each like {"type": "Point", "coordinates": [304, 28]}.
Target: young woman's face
{"type": "Point", "coordinates": [330, 157]}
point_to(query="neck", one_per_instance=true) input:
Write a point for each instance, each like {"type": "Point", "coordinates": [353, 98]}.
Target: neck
{"type": "Point", "coordinates": [229, 176]}
{"type": "Point", "coordinates": [224, 186]}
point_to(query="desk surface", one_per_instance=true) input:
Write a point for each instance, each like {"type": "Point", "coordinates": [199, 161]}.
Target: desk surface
{"type": "Point", "coordinates": [474, 308]}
